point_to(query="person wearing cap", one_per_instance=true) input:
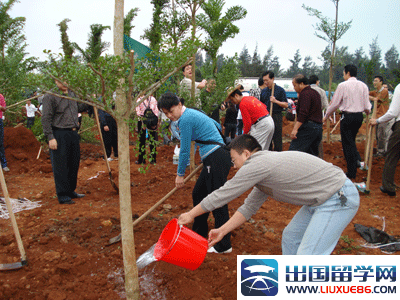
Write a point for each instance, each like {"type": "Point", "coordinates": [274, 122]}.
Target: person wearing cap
{"type": "Point", "coordinates": [329, 200]}
{"type": "Point", "coordinates": [256, 118]}
{"type": "Point", "coordinates": [194, 125]}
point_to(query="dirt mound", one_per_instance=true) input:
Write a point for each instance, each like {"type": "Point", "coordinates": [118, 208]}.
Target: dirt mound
{"type": "Point", "coordinates": [22, 148]}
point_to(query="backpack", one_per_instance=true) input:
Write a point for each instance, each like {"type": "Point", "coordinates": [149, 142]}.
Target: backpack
{"type": "Point", "coordinates": [149, 118]}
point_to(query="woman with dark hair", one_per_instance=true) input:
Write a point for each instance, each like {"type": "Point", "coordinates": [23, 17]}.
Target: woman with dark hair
{"type": "Point", "coordinates": [194, 125]}
{"type": "Point", "coordinates": [329, 200]}
{"type": "Point", "coordinates": [151, 103]}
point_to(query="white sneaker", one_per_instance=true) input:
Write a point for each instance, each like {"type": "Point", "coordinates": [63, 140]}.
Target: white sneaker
{"type": "Point", "coordinates": [6, 169]}
{"type": "Point", "coordinates": [109, 159]}
{"type": "Point", "coordinates": [212, 250]}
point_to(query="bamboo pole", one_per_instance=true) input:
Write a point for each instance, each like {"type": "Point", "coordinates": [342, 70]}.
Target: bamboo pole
{"type": "Point", "coordinates": [366, 152]}
{"type": "Point", "coordinates": [334, 128]}
{"type": "Point", "coordinates": [23, 101]}
{"type": "Point", "coordinates": [272, 104]}
{"type": "Point", "coordinates": [371, 147]}
{"type": "Point", "coordinates": [12, 218]}
{"type": "Point", "coordinates": [96, 114]}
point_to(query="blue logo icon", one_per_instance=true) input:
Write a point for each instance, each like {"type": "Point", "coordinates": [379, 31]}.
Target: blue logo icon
{"type": "Point", "coordinates": [259, 277]}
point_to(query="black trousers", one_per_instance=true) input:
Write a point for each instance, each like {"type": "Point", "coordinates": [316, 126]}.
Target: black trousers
{"type": "Point", "coordinates": [110, 137]}
{"type": "Point", "coordinates": [350, 123]}
{"type": "Point", "coordinates": [240, 127]}
{"type": "Point", "coordinates": [391, 159]}
{"type": "Point", "coordinates": [153, 136]}
{"type": "Point", "coordinates": [230, 130]}
{"type": "Point", "coordinates": [309, 137]}
{"type": "Point", "coordinates": [30, 121]}
{"type": "Point", "coordinates": [212, 177]}
{"type": "Point", "coordinates": [65, 161]}
{"type": "Point", "coordinates": [276, 143]}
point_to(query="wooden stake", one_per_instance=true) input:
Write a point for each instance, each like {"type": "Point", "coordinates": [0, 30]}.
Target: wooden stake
{"type": "Point", "coordinates": [96, 114]}
{"type": "Point", "coordinates": [371, 147]}
{"type": "Point", "coordinates": [334, 128]}
{"type": "Point", "coordinates": [40, 150]}
{"type": "Point", "coordinates": [366, 152]}
{"type": "Point", "coordinates": [272, 104]}
{"type": "Point", "coordinates": [12, 218]}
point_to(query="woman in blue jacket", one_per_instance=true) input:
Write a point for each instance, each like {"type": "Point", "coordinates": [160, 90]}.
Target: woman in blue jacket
{"type": "Point", "coordinates": [194, 125]}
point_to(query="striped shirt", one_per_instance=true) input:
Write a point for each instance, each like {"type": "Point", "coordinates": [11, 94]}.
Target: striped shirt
{"type": "Point", "coordinates": [350, 96]}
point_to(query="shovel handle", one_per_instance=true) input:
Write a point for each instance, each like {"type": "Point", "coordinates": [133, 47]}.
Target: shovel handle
{"type": "Point", "coordinates": [166, 196]}
{"type": "Point", "coordinates": [96, 116]}
{"type": "Point", "coordinates": [12, 217]}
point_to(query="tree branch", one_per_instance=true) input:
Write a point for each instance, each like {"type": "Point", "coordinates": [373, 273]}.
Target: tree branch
{"type": "Point", "coordinates": [103, 86]}
{"type": "Point", "coordinates": [131, 73]}
{"type": "Point", "coordinates": [150, 90]}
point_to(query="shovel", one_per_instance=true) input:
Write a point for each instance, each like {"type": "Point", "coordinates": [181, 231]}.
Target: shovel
{"type": "Point", "coordinates": [96, 115]}
{"type": "Point", "coordinates": [118, 237]}
{"type": "Point", "coordinates": [23, 262]}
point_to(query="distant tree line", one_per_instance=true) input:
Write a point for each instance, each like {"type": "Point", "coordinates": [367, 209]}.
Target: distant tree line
{"type": "Point", "coordinates": [368, 64]}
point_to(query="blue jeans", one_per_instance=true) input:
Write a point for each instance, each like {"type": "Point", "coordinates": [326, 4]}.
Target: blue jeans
{"type": "Point", "coordinates": [2, 149]}
{"type": "Point", "coordinates": [315, 230]}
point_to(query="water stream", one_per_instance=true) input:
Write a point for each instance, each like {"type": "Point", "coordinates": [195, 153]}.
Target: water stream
{"type": "Point", "coordinates": [146, 258]}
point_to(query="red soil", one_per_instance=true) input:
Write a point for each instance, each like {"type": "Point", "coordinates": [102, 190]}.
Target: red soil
{"type": "Point", "coordinates": [66, 244]}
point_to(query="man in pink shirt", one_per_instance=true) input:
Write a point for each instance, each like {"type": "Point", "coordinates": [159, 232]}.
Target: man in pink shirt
{"type": "Point", "coordinates": [2, 152]}
{"type": "Point", "coordinates": [352, 99]}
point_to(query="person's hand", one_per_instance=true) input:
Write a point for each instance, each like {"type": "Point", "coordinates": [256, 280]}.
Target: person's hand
{"type": "Point", "coordinates": [106, 128]}
{"type": "Point", "coordinates": [273, 99]}
{"type": "Point", "coordinates": [214, 236]}
{"type": "Point", "coordinates": [202, 84]}
{"type": "Point", "coordinates": [185, 218]}
{"type": "Point", "coordinates": [293, 134]}
{"type": "Point", "coordinates": [179, 182]}
{"type": "Point", "coordinates": [53, 144]}
{"type": "Point", "coordinates": [372, 122]}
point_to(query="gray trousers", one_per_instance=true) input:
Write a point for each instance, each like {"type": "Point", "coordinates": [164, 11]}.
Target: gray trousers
{"type": "Point", "coordinates": [263, 132]}
{"type": "Point", "coordinates": [383, 132]}
{"type": "Point", "coordinates": [391, 159]}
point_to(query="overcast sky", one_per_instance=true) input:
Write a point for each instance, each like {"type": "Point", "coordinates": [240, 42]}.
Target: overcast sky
{"type": "Point", "coordinates": [281, 23]}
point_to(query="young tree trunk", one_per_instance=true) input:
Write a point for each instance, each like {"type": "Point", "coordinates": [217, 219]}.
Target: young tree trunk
{"type": "Point", "coordinates": [122, 113]}
{"type": "Point", "coordinates": [331, 68]}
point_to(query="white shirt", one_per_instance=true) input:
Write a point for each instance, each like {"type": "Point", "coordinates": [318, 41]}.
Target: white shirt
{"type": "Point", "coordinates": [30, 110]}
{"type": "Point", "coordinates": [394, 108]}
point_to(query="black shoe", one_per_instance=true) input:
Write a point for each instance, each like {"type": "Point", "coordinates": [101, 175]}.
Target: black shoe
{"type": "Point", "coordinates": [393, 194]}
{"type": "Point", "coordinates": [76, 195]}
{"type": "Point", "coordinates": [65, 200]}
